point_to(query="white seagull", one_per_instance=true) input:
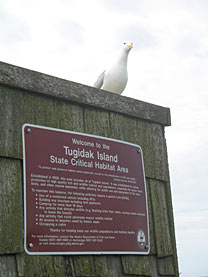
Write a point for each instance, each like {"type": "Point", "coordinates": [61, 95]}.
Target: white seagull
{"type": "Point", "coordinates": [115, 78]}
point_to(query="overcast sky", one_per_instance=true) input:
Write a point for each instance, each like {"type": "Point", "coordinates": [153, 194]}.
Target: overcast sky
{"type": "Point", "coordinates": [168, 66]}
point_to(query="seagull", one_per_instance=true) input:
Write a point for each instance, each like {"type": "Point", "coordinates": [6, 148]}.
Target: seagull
{"type": "Point", "coordinates": [115, 78]}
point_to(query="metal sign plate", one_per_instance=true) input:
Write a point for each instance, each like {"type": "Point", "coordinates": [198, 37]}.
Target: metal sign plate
{"type": "Point", "coordinates": [83, 194]}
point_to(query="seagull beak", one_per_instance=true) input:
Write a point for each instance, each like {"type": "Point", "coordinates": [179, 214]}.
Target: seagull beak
{"type": "Point", "coordinates": [130, 45]}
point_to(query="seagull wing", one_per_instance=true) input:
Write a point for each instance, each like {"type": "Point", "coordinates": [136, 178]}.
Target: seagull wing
{"type": "Point", "coordinates": [100, 80]}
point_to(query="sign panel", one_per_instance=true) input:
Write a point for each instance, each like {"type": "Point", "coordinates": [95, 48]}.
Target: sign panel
{"type": "Point", "coordinates": [83, 194]}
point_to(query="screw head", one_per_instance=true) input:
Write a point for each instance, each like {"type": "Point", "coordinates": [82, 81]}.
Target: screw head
{"type": "Point", "coordinates": [147, 247]}
{"type": "Point", "coordinates": [28, 131]}
{"type": "Point", "coordinates": [138, 150]}
{"type": "Point", "coordinates": [30, 245]}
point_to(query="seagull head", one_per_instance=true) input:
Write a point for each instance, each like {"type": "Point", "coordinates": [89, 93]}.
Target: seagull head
{"type": "Point", "coordinates": [127, 46]}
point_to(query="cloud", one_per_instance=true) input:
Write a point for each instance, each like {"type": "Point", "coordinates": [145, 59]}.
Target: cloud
{"type": "Point", "coordinates": [199, 7]}
{"type": "Point", "coordinates": [189, 170]}
{"type": "Point", "coordinates": [123, 6]}
{"type": "Point", "coordinates": [12, 29]}
{"type": "Point", "coordinates": [72, 31]}
{"type": "Point", "coordinates": [192, 219]}
{"type": "Point", "coordinates": [139, 35]}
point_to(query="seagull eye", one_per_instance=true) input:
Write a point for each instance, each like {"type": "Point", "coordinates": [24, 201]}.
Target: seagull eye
{"type": "Point", "coordinates": [124, 43]}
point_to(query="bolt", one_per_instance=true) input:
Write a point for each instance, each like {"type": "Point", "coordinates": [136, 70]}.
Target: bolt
{"type": "Point", "coordinates": [147, 247]}
{"type": "Point", "coordinates": [138, 150]}
{"type": "Point", "coordinates": [29, 131]}
{"type": "Point", "coordinates": [30, 245]}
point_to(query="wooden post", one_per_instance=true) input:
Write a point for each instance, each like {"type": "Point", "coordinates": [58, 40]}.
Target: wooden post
{"type": "Point", "coordinates": [30, 97]}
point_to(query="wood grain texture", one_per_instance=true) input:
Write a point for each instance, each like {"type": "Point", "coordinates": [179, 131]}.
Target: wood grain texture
{"type": "Point", "coordinates": [22, 78]}
{"type": "Point", "coordinates": [41, 266]}
{"type": "Point", "coordinates": [69, 266]}
{"type": "Point", "coordinates": [19, 107]}
{"type": "Point", "coordinates": [136, 265]}
{"type": "Point", "coordinates": [84, 266]}
{"type": "Point", "coordinates": [97, 122]}
{"type": "Point", "coordinates": [159, 152]}
{"type": "Point", "coordinates": [154, 265]}
{"type": "Point", "coordinates": [166, 266]}
{"type": "Point", "coordinates": [161, 220]}
{"type": "Point", "coordinates": [149, 136]}
{"type": "Point", "coordinates": [11, 211]}
{"type": "Point", "coordinates": [153, 249]}
{"type": "Point", "coordinates": [8, 266]}
{"type": "Point", "coordinates": [10, 116]}
{"type": "Point", "coordinates": [115, 266]}
{"type": "Point", "coordinates": [101, 266]}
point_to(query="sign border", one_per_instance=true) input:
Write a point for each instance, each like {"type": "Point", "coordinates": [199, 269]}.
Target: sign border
{"type": "Point", "coordinates": [86, 252]}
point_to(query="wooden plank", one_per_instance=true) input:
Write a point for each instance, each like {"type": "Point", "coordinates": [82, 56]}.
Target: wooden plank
{"type": "Point", "coordinates": [40, 266]}
{"type": "Point", "coordinates": [136, 265]}
{"type": "Point", "coordinates": [101, 266]}
{"type": "Point", "coordinates": [115, 266]}
{"type": "Point", "coordinates": [70, 116]}
{"type": "Point", "coordinates": [19, 107]}
{"type": "Point", "coordinates": [159, 152]}
{"type": "Point", "coordinates": [153, 265]}
{"type": "Point", "coordinates": [11, 211]}
{"type": "Point", "coordinates": [125, 127]}
{"type": "Point", "coordinates": [153, 249]}
{"type": "Point", "coordinates": [161, 220]}
{"type": "Point", "coordinates": [43, 109]}
{"type": "Point", "coordinates": [18, 77]}
{"type": "Point", "coordinates": [69, 266]}
{"type": "Point", "coordinates": [84, 266]}
{"type": "Point", "coordinates": [134, 131]}
{"type": "Point", "coordinates": [97, 122]}
{"type": "Point", "coordinates": [10, 136]}
{"type": "Point", "coordinates": [166, 266]}
{"type": "Point", "coordinates": [149, 136]}
{"type": "Point", "coordinates": [8, 266]}
{"type": "Point", "coordinates": [91, 266]}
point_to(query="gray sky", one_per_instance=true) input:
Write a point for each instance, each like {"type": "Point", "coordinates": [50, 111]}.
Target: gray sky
{"type": "Point", "coordinates": [168, 66]}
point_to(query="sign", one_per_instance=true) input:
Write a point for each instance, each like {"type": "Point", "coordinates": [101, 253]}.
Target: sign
{"type": "Point", "coordinates": [83, 194]}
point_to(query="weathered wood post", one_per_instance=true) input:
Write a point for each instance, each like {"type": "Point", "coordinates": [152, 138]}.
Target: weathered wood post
{"type": "Point", "coordinates": [31, 97]}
